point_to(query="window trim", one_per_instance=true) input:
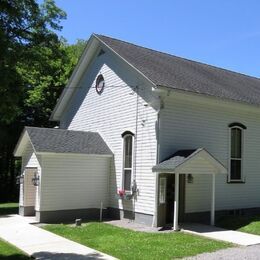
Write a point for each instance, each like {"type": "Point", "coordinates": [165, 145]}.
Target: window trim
{"type": "Point", "coordinates": [124, 135]}
{"type": "Point", "coordinates": [162, 179]}
{"type": "Point", "coordinates": [241, 127]}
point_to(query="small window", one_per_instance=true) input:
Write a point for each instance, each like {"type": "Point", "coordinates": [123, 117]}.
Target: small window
{"type": "Point", "coordinates": [127, 161]}
{"type": "Point", "coordinates": [236, 154]}
{"type": "Point", "coordinates": [100, 84]}
{"type": "Point", "coordinates": [162, 190]}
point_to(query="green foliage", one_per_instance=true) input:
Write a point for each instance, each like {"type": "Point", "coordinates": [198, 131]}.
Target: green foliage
{"type": "Point", "coordinates": [127, 244]}
{"type": "Point", "coordinates": [35, 65]}
{"type": "Point", "coordinates": [23, 25]}
{"type": "Point", "coordinates": [45, 77]}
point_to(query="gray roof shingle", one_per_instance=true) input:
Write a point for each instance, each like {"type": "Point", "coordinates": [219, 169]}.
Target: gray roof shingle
{"type": "Point", "coordinates": [183, 74]}
{"type": "Point", "coordinates": [176, 159]}
{"type": "Point", "coordinates": [67, 141]}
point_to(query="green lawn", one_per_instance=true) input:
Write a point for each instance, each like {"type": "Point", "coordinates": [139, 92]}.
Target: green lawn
{"type": "Point", "coordinates": [8, 208]}
{"type": "Point", "coordinates": [248, 224]}
{"type": "Point", "coordinates": [126, 244]}
{"type": "Point", "coordinates": [10, 252]}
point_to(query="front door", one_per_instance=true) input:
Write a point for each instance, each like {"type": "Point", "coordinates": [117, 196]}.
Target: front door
{"type": "Point", "coordinates": [29, 192]}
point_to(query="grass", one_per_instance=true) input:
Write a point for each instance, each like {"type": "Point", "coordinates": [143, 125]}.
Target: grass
{"type": "Point", "coordinates": [248, 224]}
{"type": "Point", "coordinates": [127, 244]}
{"type": "Point", "coordinates": [8, 208]}
{"type": "Point", "coordinates": [10, 252]}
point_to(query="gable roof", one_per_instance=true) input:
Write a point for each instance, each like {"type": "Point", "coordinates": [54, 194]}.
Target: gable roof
{"type": "Point", "coordinates": [62, 141]}
{"type": "Point", "coordinates": [182, 74]}
{"type": "Point", "coordinates": [165, 70]}
{"type": "Point", "coordinates": [183, 160]}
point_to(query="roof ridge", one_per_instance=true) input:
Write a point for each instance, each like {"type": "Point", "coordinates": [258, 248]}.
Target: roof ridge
{"type": "Point", "coordinates": [179, 57]}
{"type": "Point", "coordinates": [61, 129]}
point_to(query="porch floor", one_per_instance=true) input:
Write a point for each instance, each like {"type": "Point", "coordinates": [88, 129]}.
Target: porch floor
{"type": "Point", "coordinates": [235, 237]}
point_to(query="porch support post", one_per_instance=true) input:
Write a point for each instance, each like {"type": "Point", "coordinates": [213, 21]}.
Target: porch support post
{"type": "Point", "coordinates": [155, 216]}
{"type": "Point", "coordinates": [176, 204]}
{"type": "Point", "coordinates": [212, 215]}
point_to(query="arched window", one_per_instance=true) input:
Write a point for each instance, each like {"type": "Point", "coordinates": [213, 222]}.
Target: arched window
{"type": "Point", "coordinates": [128, 144]}
{"type": "Point", "coordinates": [236, 152]}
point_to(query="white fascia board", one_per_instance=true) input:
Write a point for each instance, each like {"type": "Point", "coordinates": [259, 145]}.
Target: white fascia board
{"type": "Point", "coordinates": [175, 93]}
{"type": "Point", "coordinates": [80, 68]}
{"type": "Point", "coordinates": [219, 168]}
{"type": "Point", "coordinates": [21, 144]}
{"type": "Point", "coordinates": [86, 58]}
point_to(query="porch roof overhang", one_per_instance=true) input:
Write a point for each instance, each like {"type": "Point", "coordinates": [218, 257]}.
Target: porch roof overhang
{"type": "Point", "coordinates": [195, 161]}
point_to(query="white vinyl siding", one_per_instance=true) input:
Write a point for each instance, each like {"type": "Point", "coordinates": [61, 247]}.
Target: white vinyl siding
{"type": "Point", "coordinates": [72, 181]}
{"type": "Point", "coordinates": [114, 112]}
{"type": "Point", "coordinates": [188, 123]}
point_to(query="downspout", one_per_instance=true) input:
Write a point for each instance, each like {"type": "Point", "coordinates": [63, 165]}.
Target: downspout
{"type": "Point", "coordinates": [161, 92]}
{"type": "Point", "coordinates": [134, 185]}
{"type": "Point", "coordinates": [155, 220]}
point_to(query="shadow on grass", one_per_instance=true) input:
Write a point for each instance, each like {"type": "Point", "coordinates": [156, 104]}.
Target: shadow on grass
{"type": "Point", "coordinates": [9, 210]}
{"type": "Point", "coordinates": [14, 257]}
{"type": "Point", "coordinates": [67, 256]}
{"type": "Point", "coordinates": [236, 222]}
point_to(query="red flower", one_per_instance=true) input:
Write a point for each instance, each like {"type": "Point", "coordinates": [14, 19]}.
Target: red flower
{"type": "Point", "coordinates": [121, 193]}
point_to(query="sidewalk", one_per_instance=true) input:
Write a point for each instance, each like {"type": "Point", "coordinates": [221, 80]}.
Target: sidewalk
{"type": "Point", "coordinates": [42, 244]}
{"type": "Point", "coordinates": [235, 237]}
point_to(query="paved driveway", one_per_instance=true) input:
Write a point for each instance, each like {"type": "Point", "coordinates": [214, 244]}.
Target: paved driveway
{"type": "Point", "coordinates": [43, 244]}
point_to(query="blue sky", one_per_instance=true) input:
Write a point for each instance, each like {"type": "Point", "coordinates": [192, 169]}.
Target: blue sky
{"type": "Point", "coordinates": [224, 33]}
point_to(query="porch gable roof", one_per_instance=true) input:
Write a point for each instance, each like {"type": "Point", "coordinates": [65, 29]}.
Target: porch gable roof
{"type": "Point", "coordinates": [194, 161]}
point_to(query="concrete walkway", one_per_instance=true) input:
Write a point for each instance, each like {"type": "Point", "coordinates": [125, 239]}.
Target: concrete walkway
{"type": "Point", "coordinates": [42, 244]}
{"type": "Point", "coordinates": [231, 236]}
{"type": "Point", "coordinates": [237, 253]}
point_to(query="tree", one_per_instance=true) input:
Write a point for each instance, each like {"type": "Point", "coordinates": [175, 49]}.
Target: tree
{"type": "Point", "coordinates": [34, 67]}
{"type": "Point", "coordinates": [46, 77]}
{"type": "Point", "coordinates": [23, 25]}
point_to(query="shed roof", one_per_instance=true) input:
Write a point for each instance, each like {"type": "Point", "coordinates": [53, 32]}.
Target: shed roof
{"type": "Point", "coordinates": [182, 74]}
{"type": "Point", "coordinates": [63, 141]}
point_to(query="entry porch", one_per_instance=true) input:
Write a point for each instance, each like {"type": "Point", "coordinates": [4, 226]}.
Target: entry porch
{"type": "Point", "coordinates": [171, 177]}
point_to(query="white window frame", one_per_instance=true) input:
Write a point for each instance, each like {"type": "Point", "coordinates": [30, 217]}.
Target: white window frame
{"type": "Point", "coordinates": [123, 161]}
{"type": "Point", "coordinates": [162, 193]}
{"type": "Point", "coordinates": [242, 178]}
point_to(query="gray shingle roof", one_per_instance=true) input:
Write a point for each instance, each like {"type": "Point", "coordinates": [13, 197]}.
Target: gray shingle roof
{"type": "Point", "coordinates": [67, 141]}
{"type": "Point", "coordinates": [182, 74]}
{"type": "Point", "coordinates": [176, 159]}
